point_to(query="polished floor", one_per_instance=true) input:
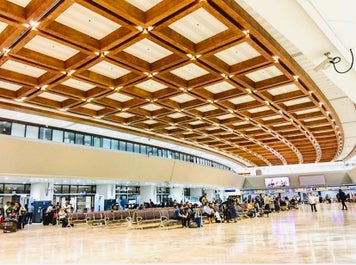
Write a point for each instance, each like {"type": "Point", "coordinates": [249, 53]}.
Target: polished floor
{"type": "Point", "coordinates": [294, 237]}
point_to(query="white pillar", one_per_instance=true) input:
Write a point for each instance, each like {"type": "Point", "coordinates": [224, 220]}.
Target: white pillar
{"type": "Point", "coordinates": [148, 193]}
{"type": "Point", "coordinates": [41, 191]}
{"type": "Point", "coordinates": [177, 193]}
{"type": "Point", "coordinates": [106, 190]}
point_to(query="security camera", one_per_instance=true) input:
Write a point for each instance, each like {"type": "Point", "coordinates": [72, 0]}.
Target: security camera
{"type": "Point", "coordinates": [325, 63]}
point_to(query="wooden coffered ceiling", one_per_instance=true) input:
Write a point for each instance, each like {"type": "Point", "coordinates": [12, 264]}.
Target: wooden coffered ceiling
{"type": "Point", "coordinates": [202, 72]}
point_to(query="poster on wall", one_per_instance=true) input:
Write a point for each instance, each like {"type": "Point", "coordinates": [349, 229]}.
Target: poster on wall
{"type": "Point", "coordinates": [277, 182]}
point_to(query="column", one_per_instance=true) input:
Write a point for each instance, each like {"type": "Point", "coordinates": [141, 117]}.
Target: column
{"type": "Point", "coordinates": [41, 192]}
{"type": "Point", "coordinates": [104, 192]}
{"type": "Point", "coordinates": [148, 193]}
{"type": "Point", "coordinates": [177, 193]}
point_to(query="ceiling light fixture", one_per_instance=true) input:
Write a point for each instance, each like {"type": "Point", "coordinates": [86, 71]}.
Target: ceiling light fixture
{"type": "Point", "coordinates": [246, 32]}
{"type": "Point", "coordinates": [20, 99]}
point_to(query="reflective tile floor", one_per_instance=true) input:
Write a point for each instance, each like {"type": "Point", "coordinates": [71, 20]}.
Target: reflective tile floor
{"type": "Point", "coordinates": [292, 237]}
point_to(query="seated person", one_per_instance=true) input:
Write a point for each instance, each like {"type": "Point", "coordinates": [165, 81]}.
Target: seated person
{"type": "Point", "coordinates": [181, 214]}
{"type": "Point", "coordinates": [190, 213]}
{"type": "Point", "coordinates": [63, 217]}
{"type": "Point", "coordinates": [250, 209]}
{"type": "Point", "coordinates": [208, 211]}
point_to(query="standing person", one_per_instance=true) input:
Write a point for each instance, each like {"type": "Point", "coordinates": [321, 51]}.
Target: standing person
{"type": "Point", "coordinates": [312, 201]}
{"type": "Point", "coordinates": [21, 217]}
{"type": "Point", "coordinates": [342, 198]}
{"type": "Point", "coordinates": [203, 199]}
{"type": "Point", "coordinates": [29, 215]}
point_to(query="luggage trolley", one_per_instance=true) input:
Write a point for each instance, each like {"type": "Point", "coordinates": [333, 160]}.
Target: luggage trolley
{"type": "Point", "coordinates": [9, 225]}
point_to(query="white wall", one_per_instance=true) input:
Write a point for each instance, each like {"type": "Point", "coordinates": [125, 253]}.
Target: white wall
{"type": "Point", "coordinates": [331, 179]}
{"type": "Point", "coordinates": [25, 157]}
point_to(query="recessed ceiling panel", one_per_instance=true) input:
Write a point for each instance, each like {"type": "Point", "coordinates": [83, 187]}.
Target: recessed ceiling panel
{"type": "Point", "coordinates": [226, 116]}
{"type": "Point", "coordinates": [255, 110]}
{"type": "Point", "coordinates": [86, 21]}
{"type": "Point", "coordinates": [242, 99]}
{"type": "Point", "coordinates": [119, 97]}
{"type": "Point", "coordinates": [2, 26]}
{"type": "Point", "coordinates": [176, 115]}
{"type": "Point", "coordinates": [51, 48]}
{"type": "Point", "coordinates": [151, 107]}
{"type": "Point", "coordinates": [196, 122]}
{"type": "Point", "coordinates": [219, 87]}
{"type": "Point", "coordinates": [78, 84]}
{"type": "Point", "coordinates": [182, 98]}
{"type": "Point", "coordinates": [124, 115]}
{"type": "Point", "coordinates": [151, 85]}
{"type": "Point", "coordinates": [150, 122]}
{"type": "Point", "coordinates": [283, 89]}
{"type": "Point", "coordinates": [9, 86]}
{"type": "Point", "coordinates": [296, 101]}
{"type": "Point", "coordinates": [148, 51]}
{"type": "Point", "coordinates": [144, 5]}
{"type": "Point", "coordinates": [109, 70]}
{"type": "Point", "coordinates": [22, 68]}
{"type": "Point", "coordinates": [198, 26]}
{"type": "Point", "coordinates": [307, 111]}
{"type": "Point", "coordinates": [264, 74]}
{"type": "Point", "coordinates": [189, 71]}
{"type": "Point", "coordinates": [92, 106]}
{"type": "Point", "coordinates": [22, 3]}
{"type": "Point", "coordinates": [237, 54]}
{"type": "Point", "coordinates": [206, 108]}
{"type": "Point", "coordinates": [52, 96]}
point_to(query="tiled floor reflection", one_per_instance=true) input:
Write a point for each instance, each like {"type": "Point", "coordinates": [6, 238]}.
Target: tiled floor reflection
{"type": "Point", "coordinates": [296, 236]}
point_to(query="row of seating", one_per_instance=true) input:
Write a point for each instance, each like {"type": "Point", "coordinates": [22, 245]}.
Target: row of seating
{"type": "Point", "coordinates": [132, 218]}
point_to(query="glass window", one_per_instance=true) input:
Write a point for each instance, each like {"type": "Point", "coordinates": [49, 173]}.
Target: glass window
{"type": "Point", "coordinates": [97, 141]}
{"type": "Point", "coordinates": [5, 127]}
{"type": "Point", "coordinates": [79, 138]}
{"type": "Point", "coordinates": [32, 132]}
{"type": "Point", "coordinates": [87, 140]}
{"type": "Point", "coordinates": [123, 145]}
{"type": "Point", "coordinates": [106, 143]}
{"type": "Point", "coordinates": [73, 189]}
{"type": "Point", "coordinates": [136, 148]}
{"type": "Point", "coordinates": [57, 135]}
{"type": "Point", "coordinates": [14, 188]}
{"type": "Point", "coordinates": [57, 188]}
{"type": "Point", "coordinates": [69, 137]}
{"type": "Point", "coordinates": [45, 133]}
{"type": "Point", "coordinates": [165, 153]}
{"type": "Point", "coordinates": [129, 147]}
{"type": "Point", "coordinates": [84, 189]}
{"type": "Point", "coordinates": [18, 130]}
{"type": "Point", "coordinates": [154, 151]}
{"type": "Point", "coordinates": [114, 144]}
{"type": "Point", "coordinates": [143, 149]}
{"type": "Point", "coordinates": [65, 188]}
